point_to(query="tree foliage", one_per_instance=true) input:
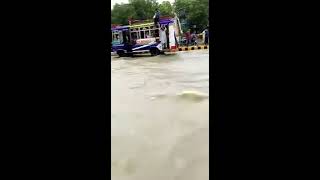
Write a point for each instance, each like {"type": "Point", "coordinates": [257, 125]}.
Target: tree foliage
{"type": "Point", "coordinates": [121, 12]}
{"type": "Point", "coordinates": [144, 9]}
{"type": "Point", "coordinates": [193, 12]}
{"type": "Point", "coordinates": [135, 9]}
{"type": "Point", "coordinates": [166, 9]}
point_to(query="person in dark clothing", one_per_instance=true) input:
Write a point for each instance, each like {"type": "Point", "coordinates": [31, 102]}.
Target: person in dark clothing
{"type": "Point", "coordinates": [206, 40]}
{"type": "Point", "coordinates": [156, 18]}
{"type": "Point", "coordinates": [188, 37]}
{"type": "Point", "coordinates": [208, 35]}
{"type": "Point", "coordinates": [124, 36]}
{"type": "Point", "coordinates": [193, 38]}
{"type": "Point", "coordinates": [127, 42]}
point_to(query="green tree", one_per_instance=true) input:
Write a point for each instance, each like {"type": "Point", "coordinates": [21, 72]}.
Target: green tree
{"type": "Point", "coordinates": [194, 12]}
{"type": "Point", "coordinates": [166, 9]}
{"type": "Point", "coordinates": [198, 15]}
{"type": "Point", "coordinates": [144, 9]}
{"type": "Point", "coordinates": [182, 8]}
{"type": "Point", "coordinates": [135, 9]}
{"type": "Point", "coordinates": [121, 12]}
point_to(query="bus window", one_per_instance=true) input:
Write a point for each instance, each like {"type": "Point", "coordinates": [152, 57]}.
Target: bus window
{"type": "Point", "coordinates": [142, 35]}
{"type": "Point", "coordinates": [156, 33]}
{"type": "Point", "coordinates": [147, 33]}
{"type": "Point", "coordinates": [126, 37]}
{"type": "Point", "coordinates": [120, 37]}
{"type": "Point", "coordinates": [152, 33]}
{"type": "Point", "coordinates": [115, 38]}
{"type": "Point", "coordinates": [134, 35]}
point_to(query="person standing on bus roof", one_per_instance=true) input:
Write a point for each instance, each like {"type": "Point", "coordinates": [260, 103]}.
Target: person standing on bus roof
{"type": "Point", "coordinates": [156, 18]}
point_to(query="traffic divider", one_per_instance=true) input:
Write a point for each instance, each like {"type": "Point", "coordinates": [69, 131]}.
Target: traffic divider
{"type": "Point", "coordinates": [190, 48]}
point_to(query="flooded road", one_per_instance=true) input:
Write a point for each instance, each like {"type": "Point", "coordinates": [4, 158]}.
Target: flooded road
{"type": "Point", "coordinates": [160, 117]}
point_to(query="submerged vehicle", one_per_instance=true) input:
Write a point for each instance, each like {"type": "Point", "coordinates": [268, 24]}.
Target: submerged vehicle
{"type": "Point", "coordinates": [144, 37]}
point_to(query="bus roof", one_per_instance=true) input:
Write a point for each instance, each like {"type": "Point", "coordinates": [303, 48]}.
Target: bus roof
{"type": "Point", "coordinates": [162, 21]}
{"type": "Point", "coordinates": [120, 28]}
{"type": "Point", "coordinates": [166, 21]}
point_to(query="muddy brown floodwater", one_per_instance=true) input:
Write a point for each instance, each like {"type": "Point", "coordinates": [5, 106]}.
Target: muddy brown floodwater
{"type": "Point", "coordinates": [160, 117]}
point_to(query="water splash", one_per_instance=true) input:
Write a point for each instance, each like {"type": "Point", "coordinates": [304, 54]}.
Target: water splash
{"type": "Point", "coordinates": [192, 96]}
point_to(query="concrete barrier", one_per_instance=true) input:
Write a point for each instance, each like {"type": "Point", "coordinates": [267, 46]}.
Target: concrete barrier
{"type": "Point", "coordinates": [190, 48]}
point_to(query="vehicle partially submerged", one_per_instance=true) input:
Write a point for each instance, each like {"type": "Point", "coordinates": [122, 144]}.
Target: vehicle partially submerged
{"type": "Point", "coordinates": [144, 37]}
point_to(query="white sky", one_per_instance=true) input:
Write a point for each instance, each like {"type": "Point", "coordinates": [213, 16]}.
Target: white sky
{"type": "Point", "coordinates": [113, 2]}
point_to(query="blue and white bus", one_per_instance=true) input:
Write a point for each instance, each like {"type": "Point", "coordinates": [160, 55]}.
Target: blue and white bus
{"type": "Point", "coordinates": [144, 38]}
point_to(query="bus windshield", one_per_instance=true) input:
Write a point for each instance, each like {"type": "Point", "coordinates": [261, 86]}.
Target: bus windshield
{"type": "Point", "coordinates": [117, 37]}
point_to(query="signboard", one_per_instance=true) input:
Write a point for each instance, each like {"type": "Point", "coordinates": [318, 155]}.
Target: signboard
{"type": "Point", "coordinates": [145, 41]}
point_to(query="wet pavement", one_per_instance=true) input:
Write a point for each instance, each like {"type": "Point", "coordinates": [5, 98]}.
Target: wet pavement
{"type": "Point", "coordinates": [160, 117]}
